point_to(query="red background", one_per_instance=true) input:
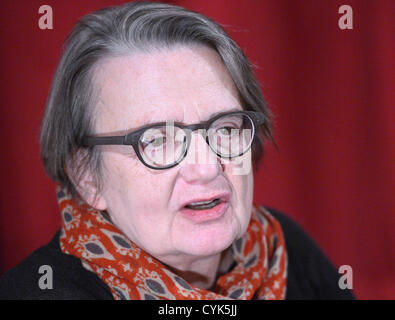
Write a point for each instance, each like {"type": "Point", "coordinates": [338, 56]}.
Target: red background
{"type": "Point", "coordinates": [332, 92]}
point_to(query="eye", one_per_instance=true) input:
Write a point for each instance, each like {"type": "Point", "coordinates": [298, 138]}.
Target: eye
{"type": "Point", "coordinates": [226, 131]}
{"type": "Point", "coordinates": [154, 142]}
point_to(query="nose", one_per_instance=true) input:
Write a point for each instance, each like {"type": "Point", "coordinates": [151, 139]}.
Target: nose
{"type": "Point", "coordinates": [201, 164]}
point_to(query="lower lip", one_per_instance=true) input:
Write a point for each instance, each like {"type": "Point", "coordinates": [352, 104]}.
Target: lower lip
{"type": "Point", "coordinates": [206, 215]}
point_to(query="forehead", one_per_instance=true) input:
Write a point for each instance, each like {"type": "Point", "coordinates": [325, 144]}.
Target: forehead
{"type": "Point", "coordinates": [185, 84]}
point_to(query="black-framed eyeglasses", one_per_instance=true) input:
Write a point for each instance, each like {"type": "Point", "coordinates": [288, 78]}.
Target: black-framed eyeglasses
{"type": "Point", "coordinates": [164, 145]}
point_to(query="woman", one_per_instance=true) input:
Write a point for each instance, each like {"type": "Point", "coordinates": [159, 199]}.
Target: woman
{"type": "Point", "coordinates": [153, 123]}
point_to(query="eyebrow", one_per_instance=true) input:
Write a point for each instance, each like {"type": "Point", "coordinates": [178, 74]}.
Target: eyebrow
{"type": "Point", "coordinates": [214, 114]}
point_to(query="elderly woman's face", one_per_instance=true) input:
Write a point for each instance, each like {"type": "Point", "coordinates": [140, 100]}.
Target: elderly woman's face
{"type": "Point", "coordinates": [183, 84]}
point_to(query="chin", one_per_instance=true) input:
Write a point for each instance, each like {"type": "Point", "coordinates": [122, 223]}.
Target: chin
{"type": "Point", "coordinates": [208, 242]}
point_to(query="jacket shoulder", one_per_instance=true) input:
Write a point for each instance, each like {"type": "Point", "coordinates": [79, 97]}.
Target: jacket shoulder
{"type": "Point", "coordinates": [311, 275]}
{"type": "Point", "coordinates": [49, 274]}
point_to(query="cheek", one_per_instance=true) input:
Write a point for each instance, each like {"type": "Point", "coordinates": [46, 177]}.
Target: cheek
{"type": "Point", "coordinates": [122, 183]}
{"type": "Point", "coordinates": [133, 189]}
{"type": "Point", "coordinates": [243, 185]}
{"type": "Point", "coordinates": [137, 202]}
{"type": "Point", "coordinates": [240, 176]}
{"type": "Point", "coordinates": [121, 167]}
{"type": "Point", "coordinates": [246, 186]}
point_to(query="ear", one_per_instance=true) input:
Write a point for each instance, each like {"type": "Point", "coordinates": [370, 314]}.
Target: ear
{"type": "Point", "coordinates": [84, 182]}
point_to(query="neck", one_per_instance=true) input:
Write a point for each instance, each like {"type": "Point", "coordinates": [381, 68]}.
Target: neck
{"type": "Point", "coordinates": [203, 272]}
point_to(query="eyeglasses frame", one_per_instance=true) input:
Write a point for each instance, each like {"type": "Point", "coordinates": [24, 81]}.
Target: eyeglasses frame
{"type": "Point", "coordinates": [133, 138]}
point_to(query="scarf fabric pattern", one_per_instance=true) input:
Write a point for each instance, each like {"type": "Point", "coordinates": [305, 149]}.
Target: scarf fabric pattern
{"type": "Point", "coordinates": [260, 270]}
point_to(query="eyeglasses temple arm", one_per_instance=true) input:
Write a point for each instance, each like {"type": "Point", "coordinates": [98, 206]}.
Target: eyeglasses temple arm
{"type": "Point", "coordinates": [94, 141]}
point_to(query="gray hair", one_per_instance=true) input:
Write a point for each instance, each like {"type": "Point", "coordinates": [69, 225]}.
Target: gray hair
{"type": "Point", "coordinates": [115, 31]}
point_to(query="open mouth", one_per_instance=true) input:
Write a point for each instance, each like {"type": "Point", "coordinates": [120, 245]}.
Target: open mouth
{"type": "Point", "coordinates": [203, 205]}
{"type": "Point", "coordinates": [206, 208]}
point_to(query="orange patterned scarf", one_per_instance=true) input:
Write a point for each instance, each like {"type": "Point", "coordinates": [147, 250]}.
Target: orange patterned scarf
{"type": "Point", "coordinates": [260, 270]}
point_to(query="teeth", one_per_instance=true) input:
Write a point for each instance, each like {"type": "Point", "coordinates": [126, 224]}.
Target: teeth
{"type": "Point", "coordinates": [199, 203]}
{"type": "Point", "coordinates": [203, 204]}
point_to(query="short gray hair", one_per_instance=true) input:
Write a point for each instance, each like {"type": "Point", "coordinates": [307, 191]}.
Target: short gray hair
{"type": "Point", "coordinates": [116, 31]}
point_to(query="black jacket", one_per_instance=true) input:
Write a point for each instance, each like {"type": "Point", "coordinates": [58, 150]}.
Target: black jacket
{"type": "Point", "coordinates": [310, 274]}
